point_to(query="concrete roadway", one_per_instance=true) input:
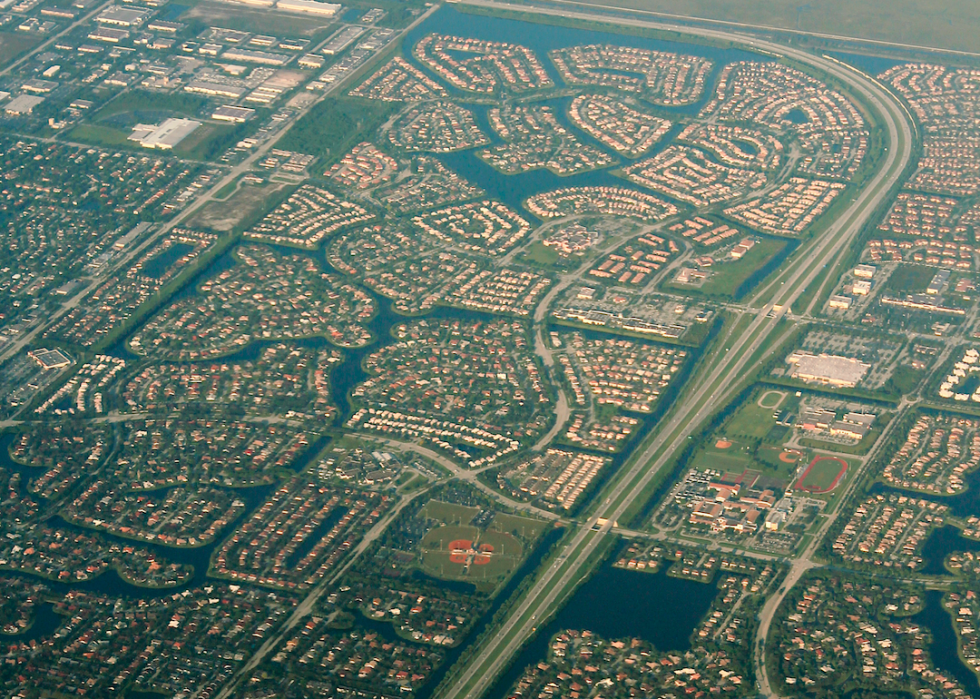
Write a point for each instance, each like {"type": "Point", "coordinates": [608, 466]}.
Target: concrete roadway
{"type": "Point", "coordinates": [306, 607]}
{"type": "Point", "coordinates": [804, 562]}
{"type": "Point", "coordinates": [724, 370]}
{"type": "Point", "coordinates": [459, 473]}
{"type": "Point", "coordinates": [198, 202]}
{"type": "Point", "coordinates": [45, 44]}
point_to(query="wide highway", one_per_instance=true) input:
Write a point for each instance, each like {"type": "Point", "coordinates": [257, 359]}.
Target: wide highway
{"type": "Point", "coordinates": [733, 357]}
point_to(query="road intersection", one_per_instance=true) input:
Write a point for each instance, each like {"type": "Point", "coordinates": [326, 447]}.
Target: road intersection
{"type": "Point", "coordinates": [732, 358]}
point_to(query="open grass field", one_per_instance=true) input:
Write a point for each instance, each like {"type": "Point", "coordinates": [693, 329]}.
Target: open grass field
{"type": "Point", "coordinates": [946, 24]}
{"type": "Point", "coordinates": [822, 475]}
{"type": "Point", "coordinates": [778, 463]}
{"type": "Point", "coordinates": [99, 135]}
{"type": "Point", "coordinates": [540, 254]}
{"type": "Point", "coordinates": [334, 126]}
{"type": "Point", "coordinates": [771, 399]}
{"type": "Point", "coordinates": [726, 278]}
{"type": "Point", "coordinates": [13, 44]}
{"type": "Point", "coordinates": [244, 205]}
{"type": "Point", "coordinates": [734, 458]}
{"type": "Point", "coordinates": [739, 457]}
{"type": "Point", "coordinates": [459, 552]}
{"type": "Point", "coordinates": [910, 279]}
{"type": "Point", "coordinates": [750, 421]}
{"type": "Point", "coordinates": [258, 20]}
{"type": "Point", "coordinates": [527, 528]}
{"type": "Point", "coordinates": [136, 101]}
{"type": "Point", "coordinates": [449, 513]}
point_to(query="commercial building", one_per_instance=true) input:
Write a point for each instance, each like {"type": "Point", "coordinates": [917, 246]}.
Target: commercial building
{"type": "Point", "coordinates": [233, 114]}
{"type": "Point", "coordinates": [166, 135]}
{"type": "Point", "coordinates": [122, 16]}
{"type": "Point", "coordinates": [22, 105]}
{"type": "Point", "coordinates": [827, 369]}
{"type": "Point", "coordinates": [50, 359]}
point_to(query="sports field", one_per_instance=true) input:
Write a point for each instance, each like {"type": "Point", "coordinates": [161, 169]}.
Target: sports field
{"type": "Point", "coordinates": [459, 552]}
{"type": "Point", "coordinates": [822, 475]}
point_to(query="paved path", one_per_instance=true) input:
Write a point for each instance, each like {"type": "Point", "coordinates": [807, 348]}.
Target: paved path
{"type": "Point", "coordinates": [804, 562]}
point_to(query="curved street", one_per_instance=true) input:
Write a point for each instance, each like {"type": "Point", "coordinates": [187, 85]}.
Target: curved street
{"type": "Point", "coordinates": [721, 371]}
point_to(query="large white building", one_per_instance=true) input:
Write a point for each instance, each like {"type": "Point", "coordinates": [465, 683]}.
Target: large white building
{"type": "Point", "coordinates": [827, 369]}
{"type": "Point", "coordinates": [166, 135]}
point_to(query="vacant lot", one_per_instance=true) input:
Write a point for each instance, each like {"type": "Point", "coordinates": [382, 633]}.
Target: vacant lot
{"type": "Point", "coordinates": [242, 206]}
{"type": "Point", "coordinates": [12, 45]}
{"type": "Point", "coordinates": [281, 24]}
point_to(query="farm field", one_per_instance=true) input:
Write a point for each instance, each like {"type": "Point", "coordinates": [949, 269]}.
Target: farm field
{"type": "Point", "coordinates": [948, 24]}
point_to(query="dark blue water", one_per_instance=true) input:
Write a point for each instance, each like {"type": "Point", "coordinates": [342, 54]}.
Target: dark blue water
{"type": "Point", "coordinates": [514, 189]}
{"type": "Point", "coordinates": [872, 65]}
{"type": "Point", "coordinates": [158, 265]}
{"type": "Point", "coordinates": [941, 543]}
{"type": "Point", "coordinates": [27, 473]}
{"type": "Point", "coordinates": [46, 622]}
{"type": "Point", "coordinates": [965, 504]}
{"type": "Point", "coordinates": [943, 648]}
{"type": "Point", "coordinates": [746, 147]}
{"type": "Point", "coordinates": [221, 263]}
{"type": "Point", "coordinates": [617, 603]}
{"type": "Point", "coordinates": [797, 116]}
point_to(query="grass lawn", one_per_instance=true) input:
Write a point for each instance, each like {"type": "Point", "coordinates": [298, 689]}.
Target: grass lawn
{"type": "Point", "coordinates": [13, 44]}
{"type": "Point", "coordinates": [260, 21]}
{"type": "Point", "coordinates": [905, 379]}
{"type": "Point", "coordinates": [910, 279]}
{"type": "Point", "coordinates": [198, 144]}
{"type": "Point", "coordinates": [438, 559]}
{"type": "Point", "coordinates": [100, 136]}
{"type": "Point", "coordinates": [527, 528]}
{"type": "Point", "coordinates": [336, 125]}
{"type": "Point", "coordinates": [540, 254]}
{"type": "Point", "coordinates": [776, 467]}
{"type": "Point", "coordinates": [726, 278]}
{"type": "Point", "coordinates": [734, 458]}
{"type": "Point", "coordinates": [739, 457]}
{"type": "Point", "coordinates": [178, 104]}
{"type": "Point", "coordinates": [833, 497]}
{"type": "Point", "coordinates": [823, 473]}
{"type": "Point", "coordinates": [751, 421]}
{"type": "Point", "coordinates": [449, 513]}
{"type": "Point", "coordinates": [227, 190]}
